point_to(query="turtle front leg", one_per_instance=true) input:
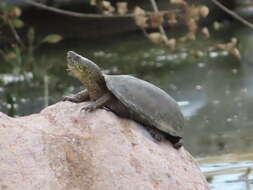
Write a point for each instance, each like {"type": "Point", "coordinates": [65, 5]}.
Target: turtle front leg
{"type": "Point", "coordinates": [102, 101]}
{"type": "Point", "coordinates": [79, 97]}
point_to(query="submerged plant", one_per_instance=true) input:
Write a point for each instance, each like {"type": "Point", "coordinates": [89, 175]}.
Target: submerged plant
{"type": "Point", "coordinates": [17, 51]}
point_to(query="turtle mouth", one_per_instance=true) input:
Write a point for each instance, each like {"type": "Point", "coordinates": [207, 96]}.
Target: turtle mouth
{"type": "Point", "coordinates": [71, 64]}
{"type": "Point", "coordinates": [73, 61]}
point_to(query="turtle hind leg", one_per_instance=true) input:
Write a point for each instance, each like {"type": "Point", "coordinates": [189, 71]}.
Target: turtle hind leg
{"type": "Point", "coordinates": [177, 142]}
{"type": "Point", "coordinates": [156, 134]}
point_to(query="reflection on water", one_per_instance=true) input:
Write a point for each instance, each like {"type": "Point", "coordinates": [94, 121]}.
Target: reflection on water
{"type": "Point", "coordinates": [233, 171]}
{"type": "Point", "coordinates": [214, 90]}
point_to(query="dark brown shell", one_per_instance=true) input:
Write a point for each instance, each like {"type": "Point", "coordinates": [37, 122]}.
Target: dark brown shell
{"type": "Point", "coordinates": [147, 103]}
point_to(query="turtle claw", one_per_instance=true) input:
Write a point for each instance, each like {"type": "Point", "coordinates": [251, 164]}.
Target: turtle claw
{"type": "Point", "coordinates": [178, 144]}
{"type": "Point", "coordinates": [88, 108]}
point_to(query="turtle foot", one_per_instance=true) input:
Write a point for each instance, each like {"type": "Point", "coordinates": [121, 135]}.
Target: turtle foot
{"type": "Point", "coordinates": [157, 135]}
{"type": "Point", "coordinates": [178, 144]}
{"type": "Point", "coordinates": [89, 108]}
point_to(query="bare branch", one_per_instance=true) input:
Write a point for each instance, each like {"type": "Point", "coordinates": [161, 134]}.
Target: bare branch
{"type": "Point", "coordinates": [15, 34]}
{"type": "Point", "coordinates": [2, 53]}
{"type": "Point", "coordinates": [154, 5]}
{"type": "Point", "coordinates": [84, 15]}
{"type": "Point", "coordinates": [233, 14]}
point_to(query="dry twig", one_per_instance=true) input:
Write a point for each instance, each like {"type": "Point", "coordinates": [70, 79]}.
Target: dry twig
{"type": "Point", "coordinates": [15, 34]}
{"type": "Point", "coordinates": [233, 14]}
{"type": "Point", "coordinates": [154, 5]}
{"type": "Point", "coordinates": [84, 15]}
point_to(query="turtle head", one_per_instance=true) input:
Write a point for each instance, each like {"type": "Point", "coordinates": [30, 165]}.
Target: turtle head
{"type": "Point", "coordinates": [84, 69]}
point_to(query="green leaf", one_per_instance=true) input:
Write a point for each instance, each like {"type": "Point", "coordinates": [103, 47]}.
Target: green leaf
{"type": "Point", "coordinates": [18, 55]}
{"type": "Point", "coordinates": [52, 38]}
{"type": "Point", "coordinates": [217, 25]}
{"type": "Point", "coordinates": [10, 56]}
{"type": "Point", "coordinates": [31, 35]}
{"type": "Point", "coordinates": [17, 23]}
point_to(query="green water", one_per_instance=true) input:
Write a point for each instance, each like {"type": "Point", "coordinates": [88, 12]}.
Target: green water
{"type": "Point", "coordinates": [215, 91]}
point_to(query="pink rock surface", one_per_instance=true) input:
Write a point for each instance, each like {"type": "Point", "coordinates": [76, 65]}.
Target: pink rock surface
{"type": "Point", "coordinates": [61, 148]}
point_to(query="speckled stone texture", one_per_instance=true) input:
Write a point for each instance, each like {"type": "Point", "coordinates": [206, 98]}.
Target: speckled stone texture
{"type": "Point", "coordinates": [61, 148]}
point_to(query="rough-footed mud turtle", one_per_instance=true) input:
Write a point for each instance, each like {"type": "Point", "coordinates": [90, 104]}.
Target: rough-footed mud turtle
{"type": "Point", "coordinates": [128, 97]}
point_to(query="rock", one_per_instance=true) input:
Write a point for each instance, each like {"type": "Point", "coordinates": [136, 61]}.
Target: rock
{"type": "Point", "coordinates": [62, 148]}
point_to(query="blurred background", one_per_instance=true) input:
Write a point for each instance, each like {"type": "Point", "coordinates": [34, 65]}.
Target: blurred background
{"type": "Point", "coordinates": [200, 52]}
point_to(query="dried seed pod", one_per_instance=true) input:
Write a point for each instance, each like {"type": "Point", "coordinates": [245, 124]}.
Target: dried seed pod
{"type": "Point", "coordinates": [108, 7]}
{"type": "Point", "coordinates": [156, 37]}
{"type": "Point", "coordinates": [204, 11]}
{"type": "Point", "coordinates": [205, 31]}
{"type": "Point", "coordinates": [140, 17]}
{"type": "Point", "coordinates": [122, 8]}
{"type": "Point", "coordinates": [171, 43]}
{"type": "Point", "coordinates": [177, 2]}
{"type": "Point", "coordinates": [93, 2]}
{"type": "Point", "coordinates": [156, 20]}
{"type": "Point", "coordinates": [172, 19]}
{"type": "Point", "coordinates": [14, 12]}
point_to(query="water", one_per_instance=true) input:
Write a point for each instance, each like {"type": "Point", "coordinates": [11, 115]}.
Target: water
{"type": "Point", "coordinates": [232, 171]}
{"type": "Point", "coordinates": [214, 91]}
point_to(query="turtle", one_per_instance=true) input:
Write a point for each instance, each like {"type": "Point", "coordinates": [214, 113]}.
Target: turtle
{"type": "Point", "coordinates": [128, 97]}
